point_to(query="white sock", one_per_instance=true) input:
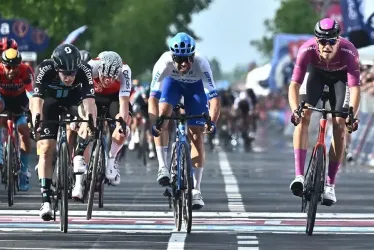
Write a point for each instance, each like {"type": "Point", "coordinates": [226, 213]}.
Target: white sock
{"type": "Point", "coordinates": [198, 174]}
{"type": "Point", "coordinates": [114, 149]}
{"type": "Point", "coordinates": [162, 152]}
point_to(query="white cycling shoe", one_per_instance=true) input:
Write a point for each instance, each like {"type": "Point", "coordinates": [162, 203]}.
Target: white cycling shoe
{"type": "Point", "coordinates": [197, 200]}
{"type": "Point", "coordinates": [297, 185]}
{"type": "Point", "coordinates": [329, 197]}
{"type": "Point", "coordinates": [46, 211]}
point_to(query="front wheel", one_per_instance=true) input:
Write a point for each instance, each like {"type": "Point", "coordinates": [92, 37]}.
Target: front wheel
{"type": "Point", "coordinates": [93, 166]}
{"type": "Point", "coordinates": [315, 186]}
{"type": "Point", "coordinates": [64, 187]}
{"type": "Point", "coordinates": [10, 170]}
{"type": "Point", "coordinates": [187, 186]}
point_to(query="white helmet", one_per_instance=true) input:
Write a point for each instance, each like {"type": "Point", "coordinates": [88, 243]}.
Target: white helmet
{"type": "Point", "coordinates": [110, 64]}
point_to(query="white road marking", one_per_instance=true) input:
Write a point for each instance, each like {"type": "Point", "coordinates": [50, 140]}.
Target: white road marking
{"type": "Point", "coordinates": [234, 197]}
{"type": "Point", "coordinates": [176, 241]}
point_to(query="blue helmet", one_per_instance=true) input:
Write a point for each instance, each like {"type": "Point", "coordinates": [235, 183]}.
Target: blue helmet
{"type": "Point", "coordinates": [182, 44]}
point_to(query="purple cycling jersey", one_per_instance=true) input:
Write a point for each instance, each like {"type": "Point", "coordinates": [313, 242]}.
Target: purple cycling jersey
{"type": "Point", "coordinates": [346, 58]}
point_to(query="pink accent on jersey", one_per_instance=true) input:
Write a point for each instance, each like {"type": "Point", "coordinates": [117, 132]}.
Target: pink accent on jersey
{"type": "Point", "coordinates": [346, 58]}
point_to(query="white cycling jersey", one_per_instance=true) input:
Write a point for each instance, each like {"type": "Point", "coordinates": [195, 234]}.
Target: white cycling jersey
{"type": "Point", "coordinates": [122, 84]}
{"type": "Point", "coordinates": [200, 70]}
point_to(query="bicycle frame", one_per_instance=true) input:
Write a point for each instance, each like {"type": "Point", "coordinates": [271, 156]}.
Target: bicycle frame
{"type": "Point", "coordinates": [181, 139]}
{"type": "Point", "coordinates": [322, 129]}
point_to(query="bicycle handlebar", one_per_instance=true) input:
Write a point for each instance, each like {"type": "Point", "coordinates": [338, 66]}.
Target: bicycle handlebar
{"type": "Point", "coordinates": [350, 114]}
{"type": "Point", "coordinates": [183, 117]}
{"type": "Point", "coordinates": [120, 120]}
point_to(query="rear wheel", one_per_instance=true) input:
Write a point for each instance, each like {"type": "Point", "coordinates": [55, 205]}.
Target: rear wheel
{"type": "Point", "coordinates": [315, 187]}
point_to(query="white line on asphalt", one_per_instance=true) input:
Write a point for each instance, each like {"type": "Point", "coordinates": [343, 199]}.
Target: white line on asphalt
{"type": "Point", "coordinates": [247, 242]}
{"type": "Point", "coordinates": [251, 215]}
{"type": "Point", "coordinates": [231, 185]}
{"type": "Point", "coordinates": [176, 241]}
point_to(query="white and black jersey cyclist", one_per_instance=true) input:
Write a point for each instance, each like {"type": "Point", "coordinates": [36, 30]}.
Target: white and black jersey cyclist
{"type": "Point", "coordinates": [64, 81]}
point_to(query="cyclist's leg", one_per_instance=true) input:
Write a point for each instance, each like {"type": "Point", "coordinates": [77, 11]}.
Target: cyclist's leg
{"type": "Point", "coordinates": [118, 140]}
{"type": "Point", "coordinates": [196, 103]}
{"type": "Point", "coordinates": [310, 92]}
{"type": "Point", "coordinates": [339, 100]}
{"type": "Point", "coordinates": [47, 146]}
{"type": "Point", "coordinates": [170, 95]}
{"type": "Point", "coordinates": [17, 105]}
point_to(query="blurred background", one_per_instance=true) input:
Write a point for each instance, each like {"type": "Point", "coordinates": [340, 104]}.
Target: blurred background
{"type": "Point", "coordinates": [251, 45]}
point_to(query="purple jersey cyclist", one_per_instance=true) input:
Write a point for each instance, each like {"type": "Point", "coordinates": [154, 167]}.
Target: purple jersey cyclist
{"type": "Point", "coordinates": [330, 60]}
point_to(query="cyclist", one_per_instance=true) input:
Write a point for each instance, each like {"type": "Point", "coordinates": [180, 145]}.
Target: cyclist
{"type": "Point", "coordinates": [183, 72]}
{"type": "Point", "coordinates": [330, 60]}
{"type": "Point", "coordinates": [15, 80]}
{"type": "Point", "coordinates": [64, 81]}
{"type": "Point", "coordinates": [85, 55]}
{"type": "Point", "coordinates": [112, 81]}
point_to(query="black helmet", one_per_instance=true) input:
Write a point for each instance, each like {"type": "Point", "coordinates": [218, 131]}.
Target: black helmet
{"type": "Point", "coordinates": [85, 56]}
{"type": "Point", "coordinates": [66, 57]}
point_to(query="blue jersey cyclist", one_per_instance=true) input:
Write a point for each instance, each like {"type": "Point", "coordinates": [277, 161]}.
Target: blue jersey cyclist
{"type": "Point", "coordinates": [183, 72]}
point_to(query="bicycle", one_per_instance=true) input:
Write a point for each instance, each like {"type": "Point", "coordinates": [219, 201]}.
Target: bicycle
{"type": "Point", "coordinates": [96, 167]}
{"type": "Point", "coordinates": [12, 161]}
{"type": "Point", "coordinates": [314, 183]}
{"type": "Point", "coordinates": [180, 190]}
{"type": "Point", "coordinates": [63, 177]}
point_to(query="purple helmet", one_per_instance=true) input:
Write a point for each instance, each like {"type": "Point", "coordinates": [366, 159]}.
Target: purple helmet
{"type": "Point", "coordinates": [327, 28]}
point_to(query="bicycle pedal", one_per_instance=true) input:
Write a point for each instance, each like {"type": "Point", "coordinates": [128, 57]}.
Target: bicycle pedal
{"type": "Point", "coordinates": [327, 203]}
{"type": "Point", "coordinates": [168, 192]}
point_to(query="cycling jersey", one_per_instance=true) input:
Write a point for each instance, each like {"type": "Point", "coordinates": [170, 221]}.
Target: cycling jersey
{"type": "Point", "coordinates": [200, 71]}
{"type": "Point", "coordinates": [346, 59]}
{"type": "Point", "coordinates": [122, 85]}
{"type": "Point", "coordinates": [48, 83]}
{"type": "Point", "coordinates": [18, 85]}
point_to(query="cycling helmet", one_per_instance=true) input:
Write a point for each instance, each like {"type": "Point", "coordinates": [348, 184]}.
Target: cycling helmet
{"type": "Point", "coordinates": [110, 64]}
{"type": "Point", "coordinates": [66, 57]}
{"type": "Point", "coordinates": [11, 57]}
{"type": "Point", "coordinates": [6, 43]}
{"type": "Point", "coordinates": [327, 28]}
{"type": "Point", "coordinates": [85, 56]}
{"type": "Point", "coordinates": [182, 44]}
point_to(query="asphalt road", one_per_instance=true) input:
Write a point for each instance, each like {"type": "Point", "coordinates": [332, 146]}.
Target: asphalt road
{"type": "Point", "coordinates": [248, 207]}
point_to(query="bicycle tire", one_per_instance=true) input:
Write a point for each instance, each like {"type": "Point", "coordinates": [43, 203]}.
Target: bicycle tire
{"type": "Point", "coordinates": [93, 166]}
{"type": "Point", "coordinates": [187, 186]}
{"type": "Point", "coordinates": [10, 172]}
{"type": "Point", "coordinates": [64, 220]}
{"type": "Point", "coordinates": [102, 177]}
{"type": "Point", "coordinates": [316, 172]}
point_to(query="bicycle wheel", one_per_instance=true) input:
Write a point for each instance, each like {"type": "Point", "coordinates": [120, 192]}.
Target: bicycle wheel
{"type": "Point", "coordinates": [315, 186]}
{"type": "Point", "coordinates": [64, 186]}
{"type": "Point", "coordinates": [10, 172]}
{"type": "Point", "coordinates": [101, 173]}
{"type": "Point", "coordinates": [187, 186]}
{"type": "Point", "coordinates": [93, 165]}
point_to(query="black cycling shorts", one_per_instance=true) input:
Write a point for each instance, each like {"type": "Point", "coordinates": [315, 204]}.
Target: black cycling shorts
{"type": "Point", "coordinates": [314, 83]}
{"type": "Point", "coordinates": [111, 102]}
{"type": "Point", "coordinates": [51, 112]}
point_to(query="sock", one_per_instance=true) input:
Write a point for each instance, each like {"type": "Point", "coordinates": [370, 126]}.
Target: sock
{"type": "Point", "coordinates": [25, 161]}
{"type": "Point", "coordinates": [81, 146]}
{"type": "Point", "coordinates": [161, 156]}
{"type": "Point", "coordinates": [300, 155]}
{"type": "Point", "coordinates": [45, 188]}
{"type": "Point", "coordinates": [114, 149]}
{"type": "Point", "coordinates": [198, 174]}
{"type": "Point", "coordinates": [332, 171]}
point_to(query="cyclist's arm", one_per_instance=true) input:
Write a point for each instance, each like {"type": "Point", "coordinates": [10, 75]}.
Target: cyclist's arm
{"type": "Point", "coordinates": [124, 93]}
{"type": "Point", "coordinates": [44, 74]}
{"type": "Point", "coordinates": [158, 74]}
{"type": "Point", "coordinates": [88, 92]}
{"type": "Point", "coordinates": [299, 71]}
{"type": "Point", "coordinates": [353, 79]}
{"type": "Point", "coordinates": [210, 89]}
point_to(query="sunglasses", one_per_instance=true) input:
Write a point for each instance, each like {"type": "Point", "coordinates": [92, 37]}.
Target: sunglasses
{"type": "Point", "coordinates": [10, 67]}
{"type": "Point", "coordinates": [324, 41]}
{"type": "Point", "coordinates": [68, 72]}
{"type": "Point", "coordinates": [182, 59]}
